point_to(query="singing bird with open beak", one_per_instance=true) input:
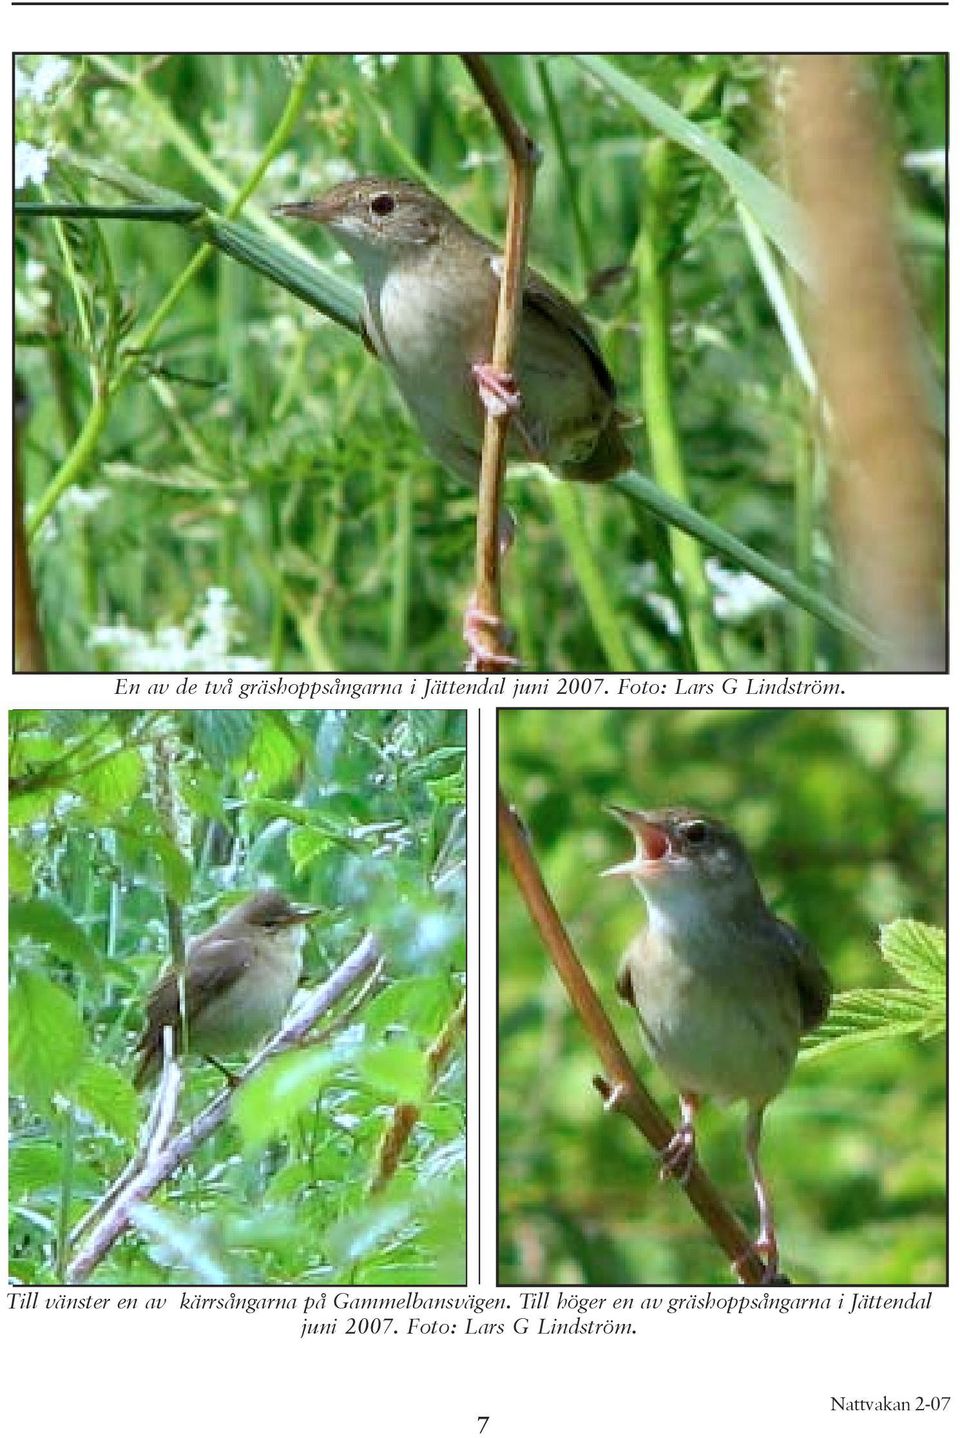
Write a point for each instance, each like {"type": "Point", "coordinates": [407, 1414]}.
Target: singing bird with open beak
{"type": "Point", "coordinates": [238, 983]}
{"type": "Point", "coordinates": [723, 988]}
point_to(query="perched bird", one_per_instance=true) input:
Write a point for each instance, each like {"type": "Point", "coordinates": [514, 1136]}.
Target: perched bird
{"type": "Point", "coordinates": [431, 285]}
{"type": "Point", "coordinates": [722, 987]}
{"type": "Point", "coordinates": [239, 980]}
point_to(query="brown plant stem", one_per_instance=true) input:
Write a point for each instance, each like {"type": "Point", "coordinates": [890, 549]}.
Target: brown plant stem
{"type": "Point", "coordinates": [619, 1087]}
{"type": "Point", "coordinates": [405, 1115]}
{"type": "Point", "coordinates": [523, 157]}
{"type": "Point", "coordinates": [888, 482]}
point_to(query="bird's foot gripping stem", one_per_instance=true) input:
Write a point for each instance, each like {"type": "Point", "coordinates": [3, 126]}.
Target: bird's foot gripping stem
{"type": "Point", "coordinates": [489, 640]}
{"type": "Point", "coordinates": [497, 388]}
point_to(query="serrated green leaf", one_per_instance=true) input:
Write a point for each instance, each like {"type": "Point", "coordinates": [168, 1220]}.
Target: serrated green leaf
{"type": "Point", "coordinates": [918, 952]}
{"type": "Point", "coordinates": [35, 1166]}
{"type": "Point", "coordinates": [397, 1069]}
{"type": "Point", "coordinates": [281, 1090]}
{"type": "Point", "coordinates": [113, 784]}
{"type": "Point", "coordinates": [272, 756]}
{"type": "Point", "coordinates": [418, 1004]}
{"type": "Point", "coordinates": [108, 1095]}
{"type": "Point", "coordinates": [46, 923]}
{"type": "Point", "coordinates": [47, 1039]}
{"type": "Point", "coordinates": [304, 845]}
{"type": "Point", "coordinates": [222, 735]}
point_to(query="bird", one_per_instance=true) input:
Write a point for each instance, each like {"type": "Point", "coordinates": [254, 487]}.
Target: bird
{"type": "Point", "coordinates": [431, 286]}
{"type": "Point", "coordinates": [238, 982]}
{"type": "Point", "coordinates": [723, 989]}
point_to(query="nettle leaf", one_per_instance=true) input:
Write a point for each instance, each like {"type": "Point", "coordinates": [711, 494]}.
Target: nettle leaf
{"type": "Point", "coordinates": [113, 784]}
{"type": "Point", "coordinates": [108, 1096]}
{"type": "Point", "coordinates": [420, 1005]}
{"type": "Point", "coordinates": [273, 755]}
{"type": "Point", "coordinates": [222, 735]}
{"type": "Point", "coordinates": [46, 923]}
{"type": "Point", "coordinates": [397, 1069]}
{"type": "Point", "coordinates": [918, 952]}
{"type": "Point", "coordinates": [47, 1039]}
{"type": "Point", "coordinates": [304, 845]}
{"type": "Point", "coordinates": [35, 1166]}
{"type": "Point", "coordinates": [282, 1089]}
{"type": "Point", "coordinates": [867, 1015]}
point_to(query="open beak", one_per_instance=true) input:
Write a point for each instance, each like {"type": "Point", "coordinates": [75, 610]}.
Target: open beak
{"type": "Point", "coordinates": [653, 842]}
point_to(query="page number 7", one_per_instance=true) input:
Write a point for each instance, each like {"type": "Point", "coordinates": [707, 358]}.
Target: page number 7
{"type": "Point", "coordinates": [483, 1422]}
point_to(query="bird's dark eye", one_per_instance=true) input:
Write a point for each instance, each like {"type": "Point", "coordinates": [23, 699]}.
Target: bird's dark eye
{"type": "Point", "coordinates": [383, 204]}
{"type": "Point", "coordinates": [695, 832]}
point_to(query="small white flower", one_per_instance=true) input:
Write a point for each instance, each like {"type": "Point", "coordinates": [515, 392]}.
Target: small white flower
{"type": "Point", "coordinates": [737, 596]}
{"type": "Point", "coordinates": [30, 164]}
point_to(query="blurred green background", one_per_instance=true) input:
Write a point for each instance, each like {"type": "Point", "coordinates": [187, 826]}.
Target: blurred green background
{"type": "Point", "coordinates": [844, 816]}
{"type": "Point", "coordinates": [247, 425]}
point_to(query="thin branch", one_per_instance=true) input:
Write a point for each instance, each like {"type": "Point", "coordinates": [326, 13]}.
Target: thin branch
{"type": "Point", "coordinates": [523, 157]}
{"type": "Point", "coordinates": [161, 1164]}
{"type": "Point", "coordinates": [620, 1088]}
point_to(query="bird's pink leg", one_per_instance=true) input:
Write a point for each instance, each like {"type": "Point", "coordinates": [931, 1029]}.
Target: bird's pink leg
{"type": "Point", "coordinates": [497, 388]}
{"type": "Point", "coordinates": [677, 1158]}
{"type": "Point", "coordinates": [766, 1244]}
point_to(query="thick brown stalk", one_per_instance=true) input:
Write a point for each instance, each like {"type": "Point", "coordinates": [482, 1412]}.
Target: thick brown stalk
{"type": "Point", "coordinates": [888, 482]}
{"type": "Point", "coordinates": [523, 157]}
{"type": "Point", "coordinates": [619, 1086]}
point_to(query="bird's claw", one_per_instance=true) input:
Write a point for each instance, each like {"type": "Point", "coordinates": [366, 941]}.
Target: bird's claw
{"type": "Point", "coordinates": [678, 1156]}
{"type": "Point", "coordinates": [497, 388]}
{"type": "Point", "coordinates": [489, 641]}
{"type": "Point", "coordinates": [766, 1250]}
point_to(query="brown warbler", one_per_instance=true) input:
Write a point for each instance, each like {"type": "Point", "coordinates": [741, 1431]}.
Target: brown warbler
{"type": "Point", "coordinates": [722, 987]}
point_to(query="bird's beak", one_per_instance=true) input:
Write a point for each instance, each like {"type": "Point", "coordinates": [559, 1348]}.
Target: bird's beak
{"type": "Point", "coordinates": [653, 842]}
{"type": "Point", "coordinates": [302, 915]}
{"type": "Point", "coordinates": [305, 210]}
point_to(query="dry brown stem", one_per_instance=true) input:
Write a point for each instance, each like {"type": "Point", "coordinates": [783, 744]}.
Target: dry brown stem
{"type": "Point", "coordinates": [523, 157]}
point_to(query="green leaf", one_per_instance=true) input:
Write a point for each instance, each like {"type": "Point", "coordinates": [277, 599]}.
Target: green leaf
{"type": "Point", "coordinates": [113, 784]}
{"type": "Point", "coordinates": [46, 923]}
{"type": "Point", "coordinates": [397, 1069]}
{"type": "Point", "coordinates": [19, 869]}
{"type": "Point", "coordinates": [272, 756]}
{"type": "Point", "coordinates": [35, 1166]}
{"type": "Point", "coordinates": [281, 1090]}
{"type": "Point", "coordinates": [918, 952]}
{"type": "Point", "coordinates": [47, 1039]}
{"type": "Point", "coordinates": [866, 1015]}
{"type": "Point", "coordinates": [357, 1235]}
{"type": "Point", "coordinates": [418, 1004]}
{"type": "Point", "coordinates": [304, 845]}
{"type": "Point", "coordinates": [109, 1096]}
{"type": "Point", "coordinates": [222, 735]}
{"type": "Point", "coordinates": [774, 211]}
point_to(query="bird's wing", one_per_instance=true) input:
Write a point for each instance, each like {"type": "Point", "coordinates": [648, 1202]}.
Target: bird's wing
{"type": "Point", "coordinates": [813, 982]}
{"type": "Point", "coordinates": [539, 295]}
{"type": "Point", "coordinates": [218, 964]}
